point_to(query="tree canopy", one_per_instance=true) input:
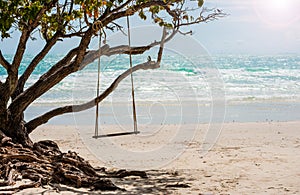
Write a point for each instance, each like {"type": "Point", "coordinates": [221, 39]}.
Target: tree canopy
{"type": "Point", "coordinates": [72, 18]}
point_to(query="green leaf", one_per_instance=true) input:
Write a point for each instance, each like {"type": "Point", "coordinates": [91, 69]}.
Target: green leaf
{"type": "Point", "coordinates": [142, 15]}
{"type": "Point", "coordinates": [200, 3]}
{"type": "Point", "coordinates": [185, 17]}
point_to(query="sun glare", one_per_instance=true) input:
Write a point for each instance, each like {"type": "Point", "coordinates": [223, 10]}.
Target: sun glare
{"type": "Point", "coordinates": [280, 4]}
{"type": "Point", "coordinates": [277, 12]}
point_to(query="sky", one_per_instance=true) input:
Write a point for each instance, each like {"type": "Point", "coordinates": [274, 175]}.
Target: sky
{"type": "Point", "coordinates": [254, 27]}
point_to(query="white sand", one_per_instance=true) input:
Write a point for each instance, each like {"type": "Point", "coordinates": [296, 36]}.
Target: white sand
{"type": "Point", "coordinates": [248, 158]}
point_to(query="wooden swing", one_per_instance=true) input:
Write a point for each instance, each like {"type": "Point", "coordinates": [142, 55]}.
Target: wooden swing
{"type": "Point", "coordinates": [99, 26]}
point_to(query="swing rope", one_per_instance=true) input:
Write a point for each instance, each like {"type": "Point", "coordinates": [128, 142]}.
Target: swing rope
{"type": "Point", "coordinates": [98, 90]}
{"type": "Point", "coordinates": [132, 86]}
{"type": "Point", "coordinates": [97, 27]}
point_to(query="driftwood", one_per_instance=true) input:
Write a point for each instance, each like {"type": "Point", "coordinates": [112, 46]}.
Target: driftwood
{"type": "Point", "coordinates": [45, 164]}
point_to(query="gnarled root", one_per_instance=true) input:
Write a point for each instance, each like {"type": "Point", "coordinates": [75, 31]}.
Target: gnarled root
{"type": "Point", "coordinates": [45, 164]}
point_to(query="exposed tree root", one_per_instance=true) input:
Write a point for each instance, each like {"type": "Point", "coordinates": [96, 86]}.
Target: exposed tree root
{"type": "Point", "coordinates": [22, 187]}
{"type": "Point", "coordinates": [178, 185]}
{"type": "Point", "coordinates": [45, 164]}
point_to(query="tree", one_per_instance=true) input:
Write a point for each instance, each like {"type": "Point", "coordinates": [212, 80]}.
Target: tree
{"type": "Point", "coordinates": [59, 20]}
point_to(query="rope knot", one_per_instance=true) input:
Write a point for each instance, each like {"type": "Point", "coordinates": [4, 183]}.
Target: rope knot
{"type": "Point", "coordinates": [97, 26]}
{"type": "Point", "coordinates": [129, 11]}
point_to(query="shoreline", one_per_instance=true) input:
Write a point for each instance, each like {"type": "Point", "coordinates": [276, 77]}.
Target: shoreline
{"type": "Point", "coordinates": [180, 113]}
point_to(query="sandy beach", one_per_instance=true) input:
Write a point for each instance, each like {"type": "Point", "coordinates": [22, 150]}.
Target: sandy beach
{"type": "Point", "coordinates": [248, 158]}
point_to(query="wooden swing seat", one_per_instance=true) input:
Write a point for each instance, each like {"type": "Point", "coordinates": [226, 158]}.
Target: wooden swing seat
{"type": "Point", "coordinates": [116, 134]}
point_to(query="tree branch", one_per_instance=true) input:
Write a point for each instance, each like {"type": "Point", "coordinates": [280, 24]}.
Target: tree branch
{"type": "Point", "coordinates": [131, 11]}
{"type": "Point", "coordinates": [215, 15]}
{"type": "Point", "coordinates": [20, 49]}
{"type": "Point", "coordinates": [26, 34]}
{"type": "Point", "coordinates": [4, 62]}
{"type": "Point", "coordinates": [31, 125]}
{"type": "Point", "coordinates": [12, 78]}
{"type": "Point", "coordinates": [21, 102]}
{"type": "Point", "coordinates": [162, 44]}
{"type": "Point", "coordinates": [39, 15]}
{"type": "Point", "coordinates": [108, 12]}
{"type": "Point", "coordinates": [121, 6]}
{"type": "Point", "coordinates": [34, 63]}
{"type": "Point", "coordinates": [75, 34]}
{"type": "Point", "coordinates": [123, 49]}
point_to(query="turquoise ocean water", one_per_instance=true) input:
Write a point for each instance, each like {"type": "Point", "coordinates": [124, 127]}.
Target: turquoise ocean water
{"type": "Point", "coordinates": [253, 83]}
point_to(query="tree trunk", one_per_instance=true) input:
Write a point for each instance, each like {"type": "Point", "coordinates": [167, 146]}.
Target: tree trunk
{"type": "Point", "coordinates": [3, 113]}
{"type": "Point", "coordinates": [15, 129]}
